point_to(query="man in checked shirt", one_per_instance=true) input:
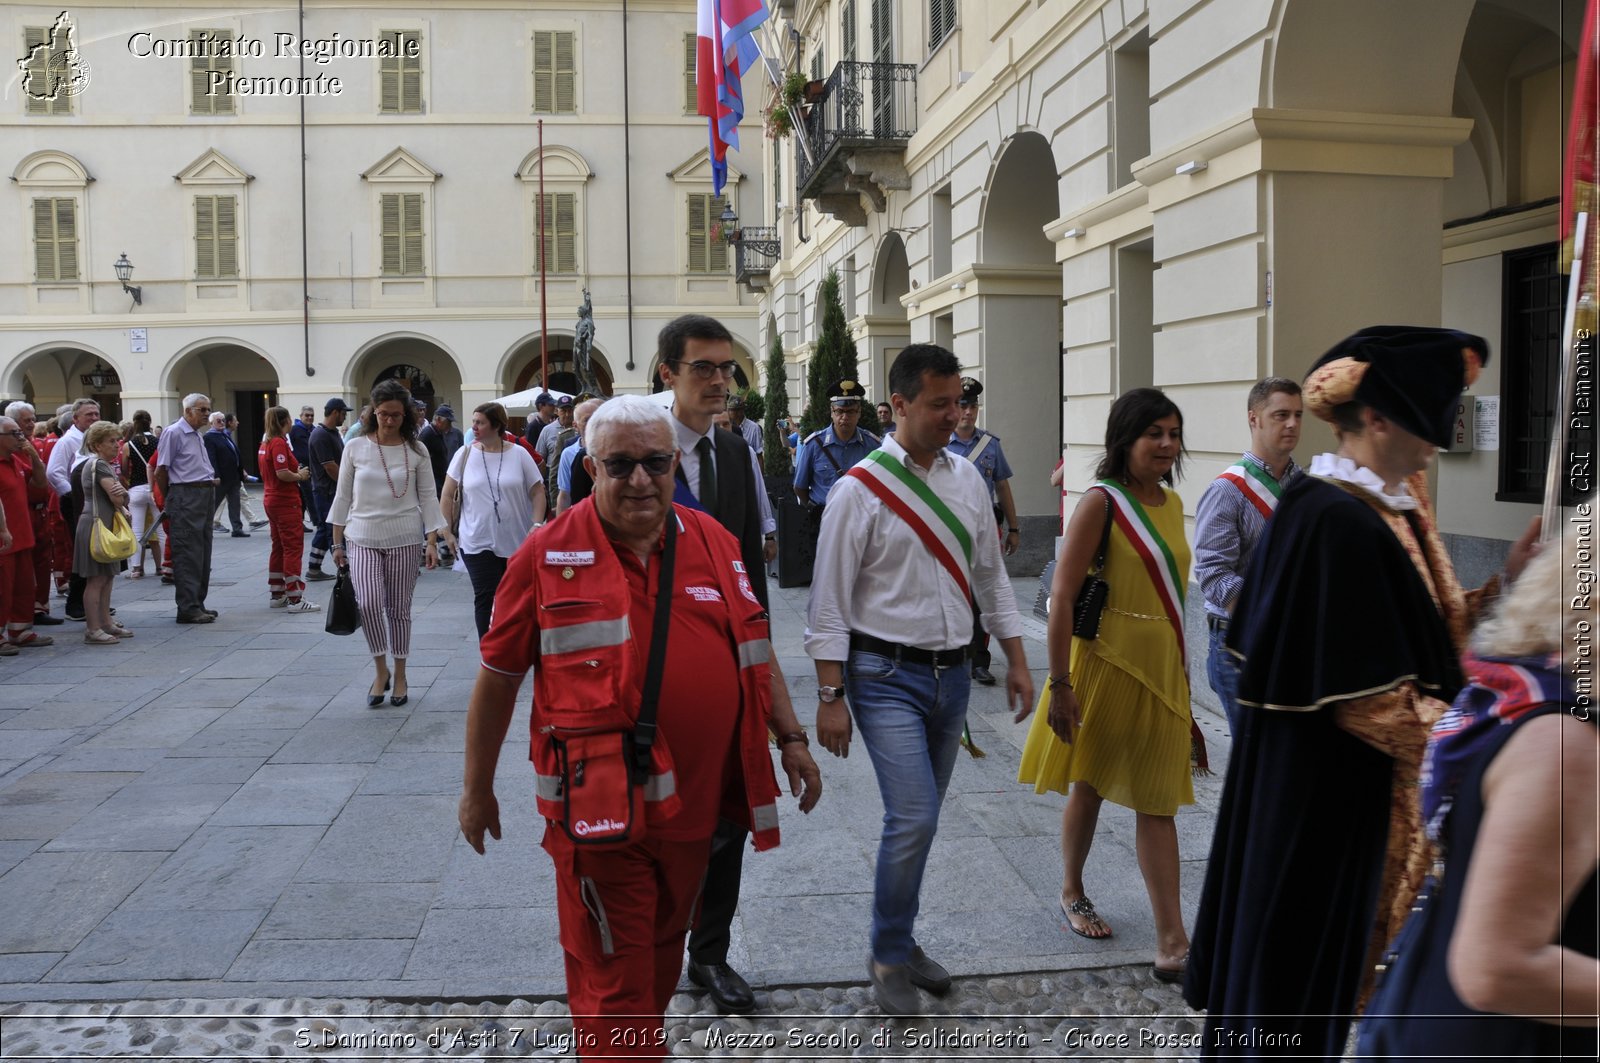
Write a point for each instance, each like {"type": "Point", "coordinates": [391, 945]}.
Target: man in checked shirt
{"type": "Point", "coordinates": [1232, 514]}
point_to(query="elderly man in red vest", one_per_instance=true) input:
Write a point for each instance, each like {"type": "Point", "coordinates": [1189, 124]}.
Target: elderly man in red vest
{"type": "Point", "coordinates": [652, 703]}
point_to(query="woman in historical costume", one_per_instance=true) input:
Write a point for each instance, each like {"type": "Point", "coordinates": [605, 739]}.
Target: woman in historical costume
{"type": "Point", "coordinates": [1349, 629]}
{"type": "Point", "coordinates": [1498, 959]}
{"type": "Point", "coordinates": [386, 520]}
{"type": "Point", "coordinates": [1114, 722]}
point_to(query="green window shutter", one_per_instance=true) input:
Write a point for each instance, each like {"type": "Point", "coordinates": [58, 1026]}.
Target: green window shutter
{"type": "Point", "coordinates": [400, 75]}
{"type": "Point", "coordinates": [200, 68]}
{"type": "Point", "coordinates": [40, 67]}
{"type": "Point", "coordinates": [67, 239]}
{"type": "Point", "coordinates": [205, 237]}
{"type": "Point", "coordinates": [559, 251]}
{"type": "Point", "coordinates": [847, 26]}
{"type": "Point", "coordinates": [691, 90]}
{"type": "Point", "coordinates": [555, 77]}
{"type": "Point", "coordinates": [697, 233]}
{"type": "Point", "coordinates": [55, 239]}
{"type": "Point", "coordinates": [389, 229]}
{"type": "Point", "coordinates": [411, 233]}
{"type": "Point", "coordinates": [227, 236]}
{"type": "Point", "coordinates": [707, 253]}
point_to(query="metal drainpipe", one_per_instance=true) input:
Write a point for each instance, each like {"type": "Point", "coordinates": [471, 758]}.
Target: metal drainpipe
{"type": "Point", "coordinates": [627, 186]}
{"type": "Point", "coordinates": [305, 253]}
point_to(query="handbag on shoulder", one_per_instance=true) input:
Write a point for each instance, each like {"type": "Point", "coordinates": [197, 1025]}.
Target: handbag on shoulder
{"type": "Point", "coordinates": [1091, 602]}
{"type": "Point", "coordinates": [107, 545]}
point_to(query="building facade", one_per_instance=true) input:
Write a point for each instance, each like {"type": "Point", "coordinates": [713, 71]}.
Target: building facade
{"type": "Point", "coordinates": [1084, 196]}
{"type": "Point", "coordinates": [310, 207]}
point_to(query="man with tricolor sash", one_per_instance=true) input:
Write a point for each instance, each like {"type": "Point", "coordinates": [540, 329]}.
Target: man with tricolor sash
{"type": "Point", "coordinates": [907, 548]}
{"type": "Point", "coordinates": [1232, 514]}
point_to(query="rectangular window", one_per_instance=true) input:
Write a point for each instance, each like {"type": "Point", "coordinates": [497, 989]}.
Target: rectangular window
{"type": "Point", "coordinates": [400, 75]}
{"type": "Point", "coordinates": [1531, 371]}
{"type": "Point", "coordinates": [941, 21]}
{"type": "Point", "coordinates": [555, 72]}
{"type": "Point", "coordinates": [708, 251]}
{"type": "Point", "coordinates": [204, 96]}
{"type": "Point", "coordinates": [55, 240]}
{"type": "Point", "coordinates": [847, 28]}
{"type": "Point", "coordinates": [402, 234]}
{"type": "Point", "coordinates": [46, 71]}
{"type": "Point", "coordinates": [560, 254]}
{"type": "Point", "coordinates": [216, 237]}
{"type": "Point", "coordinates": [691, 90]}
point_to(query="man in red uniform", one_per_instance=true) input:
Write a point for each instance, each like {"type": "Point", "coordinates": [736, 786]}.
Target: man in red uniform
{"type": "Point", "coordinates": [20, 468]}
{"type": "Point", "coordinates": [578, 606]}
{"type": "Point", "coordinates": [40, 501]}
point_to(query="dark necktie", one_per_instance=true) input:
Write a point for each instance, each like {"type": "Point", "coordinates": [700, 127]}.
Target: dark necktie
{"type": "Point", "coordinates": [708, 476]}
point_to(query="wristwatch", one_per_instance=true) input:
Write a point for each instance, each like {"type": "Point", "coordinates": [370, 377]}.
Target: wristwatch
{"type": "Point", "coordinates": [828, 695]}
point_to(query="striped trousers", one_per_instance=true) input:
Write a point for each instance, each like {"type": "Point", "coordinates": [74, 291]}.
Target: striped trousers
{"type": "Point", "coordinates": [384, 581]}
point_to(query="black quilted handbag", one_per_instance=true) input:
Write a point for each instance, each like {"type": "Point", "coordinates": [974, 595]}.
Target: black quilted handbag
{"type": "Point", "coordinates": [1092, 595]}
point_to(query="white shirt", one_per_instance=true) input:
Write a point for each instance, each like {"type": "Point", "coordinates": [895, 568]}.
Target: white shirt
{"type": "Point", "coordinates": [365, 504]}
{"type": "Point", "coordinates": [509, 475]}
{"type": "Point", "coordinates": [1334, 467]}
{"type": "Point", "coordinates": [66, 457]}
{"type": "Point", "coordinates": [689, 461]}
{"type": "Point", "coordinates": [874, 575]}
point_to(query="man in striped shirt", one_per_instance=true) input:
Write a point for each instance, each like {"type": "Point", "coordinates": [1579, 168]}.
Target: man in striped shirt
{"type": "Point", "coordinates": [1232, 514]}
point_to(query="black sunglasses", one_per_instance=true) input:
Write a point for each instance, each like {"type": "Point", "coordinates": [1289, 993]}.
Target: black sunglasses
{"type": "Point", "coordinates": [622, 468]}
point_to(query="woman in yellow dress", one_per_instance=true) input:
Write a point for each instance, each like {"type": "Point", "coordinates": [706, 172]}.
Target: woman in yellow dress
{"type": "Point", "coordinates": [1114, 718]}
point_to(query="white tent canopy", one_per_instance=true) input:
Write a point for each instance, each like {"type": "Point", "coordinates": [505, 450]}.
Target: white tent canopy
{"type": "Point", "coordinates": [521, 403]}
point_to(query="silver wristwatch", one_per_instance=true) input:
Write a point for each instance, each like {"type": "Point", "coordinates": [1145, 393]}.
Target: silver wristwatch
{"type": "Point", "coordinates": [828, 695]}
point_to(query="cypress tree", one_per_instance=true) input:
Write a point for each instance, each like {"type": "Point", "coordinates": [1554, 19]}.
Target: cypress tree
{"type": "Point", "coordinates": [775, 458]}
{"type": "Point", "coordinates": [834, 358]}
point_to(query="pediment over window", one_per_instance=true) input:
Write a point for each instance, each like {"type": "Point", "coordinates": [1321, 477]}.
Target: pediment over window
{"type": "Point", "coordinates": [560, 164]}
{"type": "Point", "coordinates": [54, 168]}
{"type": "Point", "coordinates": [696, 169]}
{"type": "Point", "coordinates": [400, 166]}
{"type": "Point", "coordinates": [212, 168]}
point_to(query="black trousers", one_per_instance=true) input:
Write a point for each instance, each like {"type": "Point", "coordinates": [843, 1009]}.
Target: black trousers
{"type": "Point", "coordinates": [485, 570]}
{"type": "Point", "coordinates": [719, 900]}
{"type": "Point", "coordinates": [71, 509]}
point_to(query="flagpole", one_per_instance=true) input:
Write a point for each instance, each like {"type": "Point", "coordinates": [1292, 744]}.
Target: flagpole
{"type": "Point", "coordinates": [544, 324]}
{"type": "Point", "coordinates": [796, 119]}
{"type": "Point", "coordinates": [1576, 295]}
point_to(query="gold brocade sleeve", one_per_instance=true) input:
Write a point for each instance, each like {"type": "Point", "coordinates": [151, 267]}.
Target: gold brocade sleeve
{"type": "Point", "coordinates": [1397, 723]}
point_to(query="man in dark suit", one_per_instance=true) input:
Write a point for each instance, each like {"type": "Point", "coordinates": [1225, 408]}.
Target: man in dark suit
{"type": "Point", "coordinates": [718, 473]}
{"type": "Point", "coordinates": [225, 462]}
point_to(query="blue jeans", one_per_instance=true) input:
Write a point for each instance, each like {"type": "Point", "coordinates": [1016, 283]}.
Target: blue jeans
{"type": "Point", "coordinates": [1222, 671]}
{"type": "Point", "coordinates": [910, 718]}
{"type": "Point", "coordinates": [322, 541]}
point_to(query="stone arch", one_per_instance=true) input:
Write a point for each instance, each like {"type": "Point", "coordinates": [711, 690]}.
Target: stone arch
{"type": "Point", "coordinates": [49, 374]}
{"type": "Point", "coordinates": [519, 365]}
{"type": "Point", "coordinates": [437, 362]}
{"type": "Point", "coordinates": [50, 167]}
{"type": "Point", "coordinates": [891, 277]}
{"type": "Point", "coordinates": [1019, 316]}
{"type": "Point", "coordinates": [1333, 57]}
{"type": "Point", "coordinates": [238, 376]}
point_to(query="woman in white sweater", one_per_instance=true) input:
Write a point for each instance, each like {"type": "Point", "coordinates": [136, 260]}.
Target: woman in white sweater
{"type": "Point", "coordinates": [386, 520]}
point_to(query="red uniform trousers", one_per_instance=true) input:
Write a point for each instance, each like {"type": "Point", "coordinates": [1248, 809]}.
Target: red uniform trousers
{"type": "Point", "coordinates": [16, 589]}
{"type": "Point", "coordinates": [624, 914]}
{"type": "Point", "coordinates": [288, 547]}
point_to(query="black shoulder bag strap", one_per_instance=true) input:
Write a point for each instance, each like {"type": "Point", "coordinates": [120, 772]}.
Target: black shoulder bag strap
{"type": "Point", "coordinates": [644, 729]}
{"type": "Point", "coordinates": [1105, 535]}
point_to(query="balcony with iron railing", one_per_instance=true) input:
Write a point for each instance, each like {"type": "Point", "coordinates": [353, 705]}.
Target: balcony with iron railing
{"type": "Point", "coordinates": [756, 249]}
{"type": "Point", "coordinates": [855, 136]}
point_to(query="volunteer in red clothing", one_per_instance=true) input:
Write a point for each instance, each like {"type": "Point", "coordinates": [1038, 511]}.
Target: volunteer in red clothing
{"type": "Point", "coordinates": [281, 477]}
{"type": "Point", "coordinates": [577, 605]}
{"type": "Point", "coordinates": [40, 500]}
{"type": "Point", "coordinates": [20, 468]}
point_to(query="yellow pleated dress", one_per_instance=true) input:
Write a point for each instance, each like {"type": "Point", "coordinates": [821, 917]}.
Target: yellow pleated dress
{"type": "Point", "coordinates": [1133, 746]}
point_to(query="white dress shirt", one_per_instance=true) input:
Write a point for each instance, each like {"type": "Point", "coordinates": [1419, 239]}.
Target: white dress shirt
{"type": "Point", "coordinates": [64, 458]}
{"type": "Point", "coordinates": [874, 575]}
{"type": "Point", "coordinates": [689, 462]}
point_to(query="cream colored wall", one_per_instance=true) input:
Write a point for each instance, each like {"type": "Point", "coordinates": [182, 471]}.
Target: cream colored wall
{"type": "Point", "coordinates": [132, 132]}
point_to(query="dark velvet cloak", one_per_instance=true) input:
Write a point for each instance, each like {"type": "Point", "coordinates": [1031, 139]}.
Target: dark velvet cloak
{"type": "Point", "coordinates": [1332, 608]}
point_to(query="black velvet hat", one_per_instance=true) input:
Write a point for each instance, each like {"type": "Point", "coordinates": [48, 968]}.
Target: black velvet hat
{"type": "Point", "coordinates": [1412, 374]}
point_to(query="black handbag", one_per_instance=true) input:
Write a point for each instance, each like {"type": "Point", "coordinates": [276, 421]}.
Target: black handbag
{"type": "Point", "coordinates": [344, 615]}
{"type": "Point", "coordinates": [1092, 595]}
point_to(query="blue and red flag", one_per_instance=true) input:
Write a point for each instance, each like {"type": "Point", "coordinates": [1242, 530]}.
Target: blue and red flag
{"type": "Point", "coordinates": [727, 51]}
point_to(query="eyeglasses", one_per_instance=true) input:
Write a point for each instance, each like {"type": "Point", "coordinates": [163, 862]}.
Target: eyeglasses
{"type": "Point", "coordinates": [15, 432]}
{"type": "Point", "coordinates": [622, 468]}
{"type": "Point", "coordinates": [707, 370]}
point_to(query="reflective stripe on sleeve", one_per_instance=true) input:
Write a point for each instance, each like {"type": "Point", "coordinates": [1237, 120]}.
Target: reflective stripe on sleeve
{"type": "Point", "coordinates": [764, 817]}
{"type": "Point", "coordinates": [579, 637]}
{"type": "Point", "coordinates": [756, 651]}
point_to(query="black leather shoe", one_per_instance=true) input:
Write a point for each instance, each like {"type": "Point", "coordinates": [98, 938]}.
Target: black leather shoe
{"type": "Point", "coordinates": [212, 613]}
{"type": "Point", "coordinates": [374, 700]}
{"type": "Point", "coordinates": [926, 973]}
{"type": "Point", "coordinates": [982, 675]}
{"type": "Point", "coordinates": [241, 534]}
{"type": "Point", "coordinates": [46, 620]}
{"type": "Point", "coordinates": [201, 617]}
{"type": "Point", "coordinates": [730, 992]}
{"type": "Point", "coordinates": [893, 991]}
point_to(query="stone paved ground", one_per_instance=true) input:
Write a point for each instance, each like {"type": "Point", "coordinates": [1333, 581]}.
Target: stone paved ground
{"type": "Point", "coordinates": [213, 815]}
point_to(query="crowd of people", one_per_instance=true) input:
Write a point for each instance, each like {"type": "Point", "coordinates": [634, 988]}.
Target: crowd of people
{"type": "Point", "coordinates": [1388, 805]}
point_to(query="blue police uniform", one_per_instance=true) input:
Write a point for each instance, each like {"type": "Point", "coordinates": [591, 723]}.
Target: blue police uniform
{"type": "Point", "coordinates": [991, 462]}
{"type": "Point", "coordinates": [815, 473]}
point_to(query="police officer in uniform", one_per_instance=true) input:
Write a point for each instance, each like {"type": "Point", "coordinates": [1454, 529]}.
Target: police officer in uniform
{"type": "Point", "coordinates": [828, 454]}
{"type": "Point", "coordinates": [983, 450]}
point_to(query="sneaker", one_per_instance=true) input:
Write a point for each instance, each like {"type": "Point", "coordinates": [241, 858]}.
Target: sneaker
{"type": "Point", "coordinates": [278, 602]}
{"type": "Point", "coordinates": [316, 574]}
{"type": "Point", "coordinates": [258, 524]}
{"type": "Point", "coordinates": [304, 605]}
{"type": "Point", "coordinates": [8, 650]}
{"type": "Point", "coordinates": [27, 639]}
{"type": "Point", "coordinates": [79, 617]}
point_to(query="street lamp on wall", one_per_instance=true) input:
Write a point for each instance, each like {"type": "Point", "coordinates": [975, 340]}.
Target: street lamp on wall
{"type": "Point", "coordinates": [124, 270]}
{"type": "Point", "coordinates": [730, 224]}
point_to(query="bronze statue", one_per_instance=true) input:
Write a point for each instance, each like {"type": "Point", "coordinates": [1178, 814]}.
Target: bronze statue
{"type": "Point", "coordinates": [582, 341]}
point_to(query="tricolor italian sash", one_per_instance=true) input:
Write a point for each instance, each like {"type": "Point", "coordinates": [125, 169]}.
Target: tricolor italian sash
{"type": "Point", "coordinates": [1259, 489]}
{"type": "Point", "coordinates": [946, 538]}
{"type": "Point", "coordinates": [1162, 567]}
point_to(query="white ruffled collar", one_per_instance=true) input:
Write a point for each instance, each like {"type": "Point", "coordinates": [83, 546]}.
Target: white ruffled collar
{"type": "Point", "coordinates": [1335, 467]}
